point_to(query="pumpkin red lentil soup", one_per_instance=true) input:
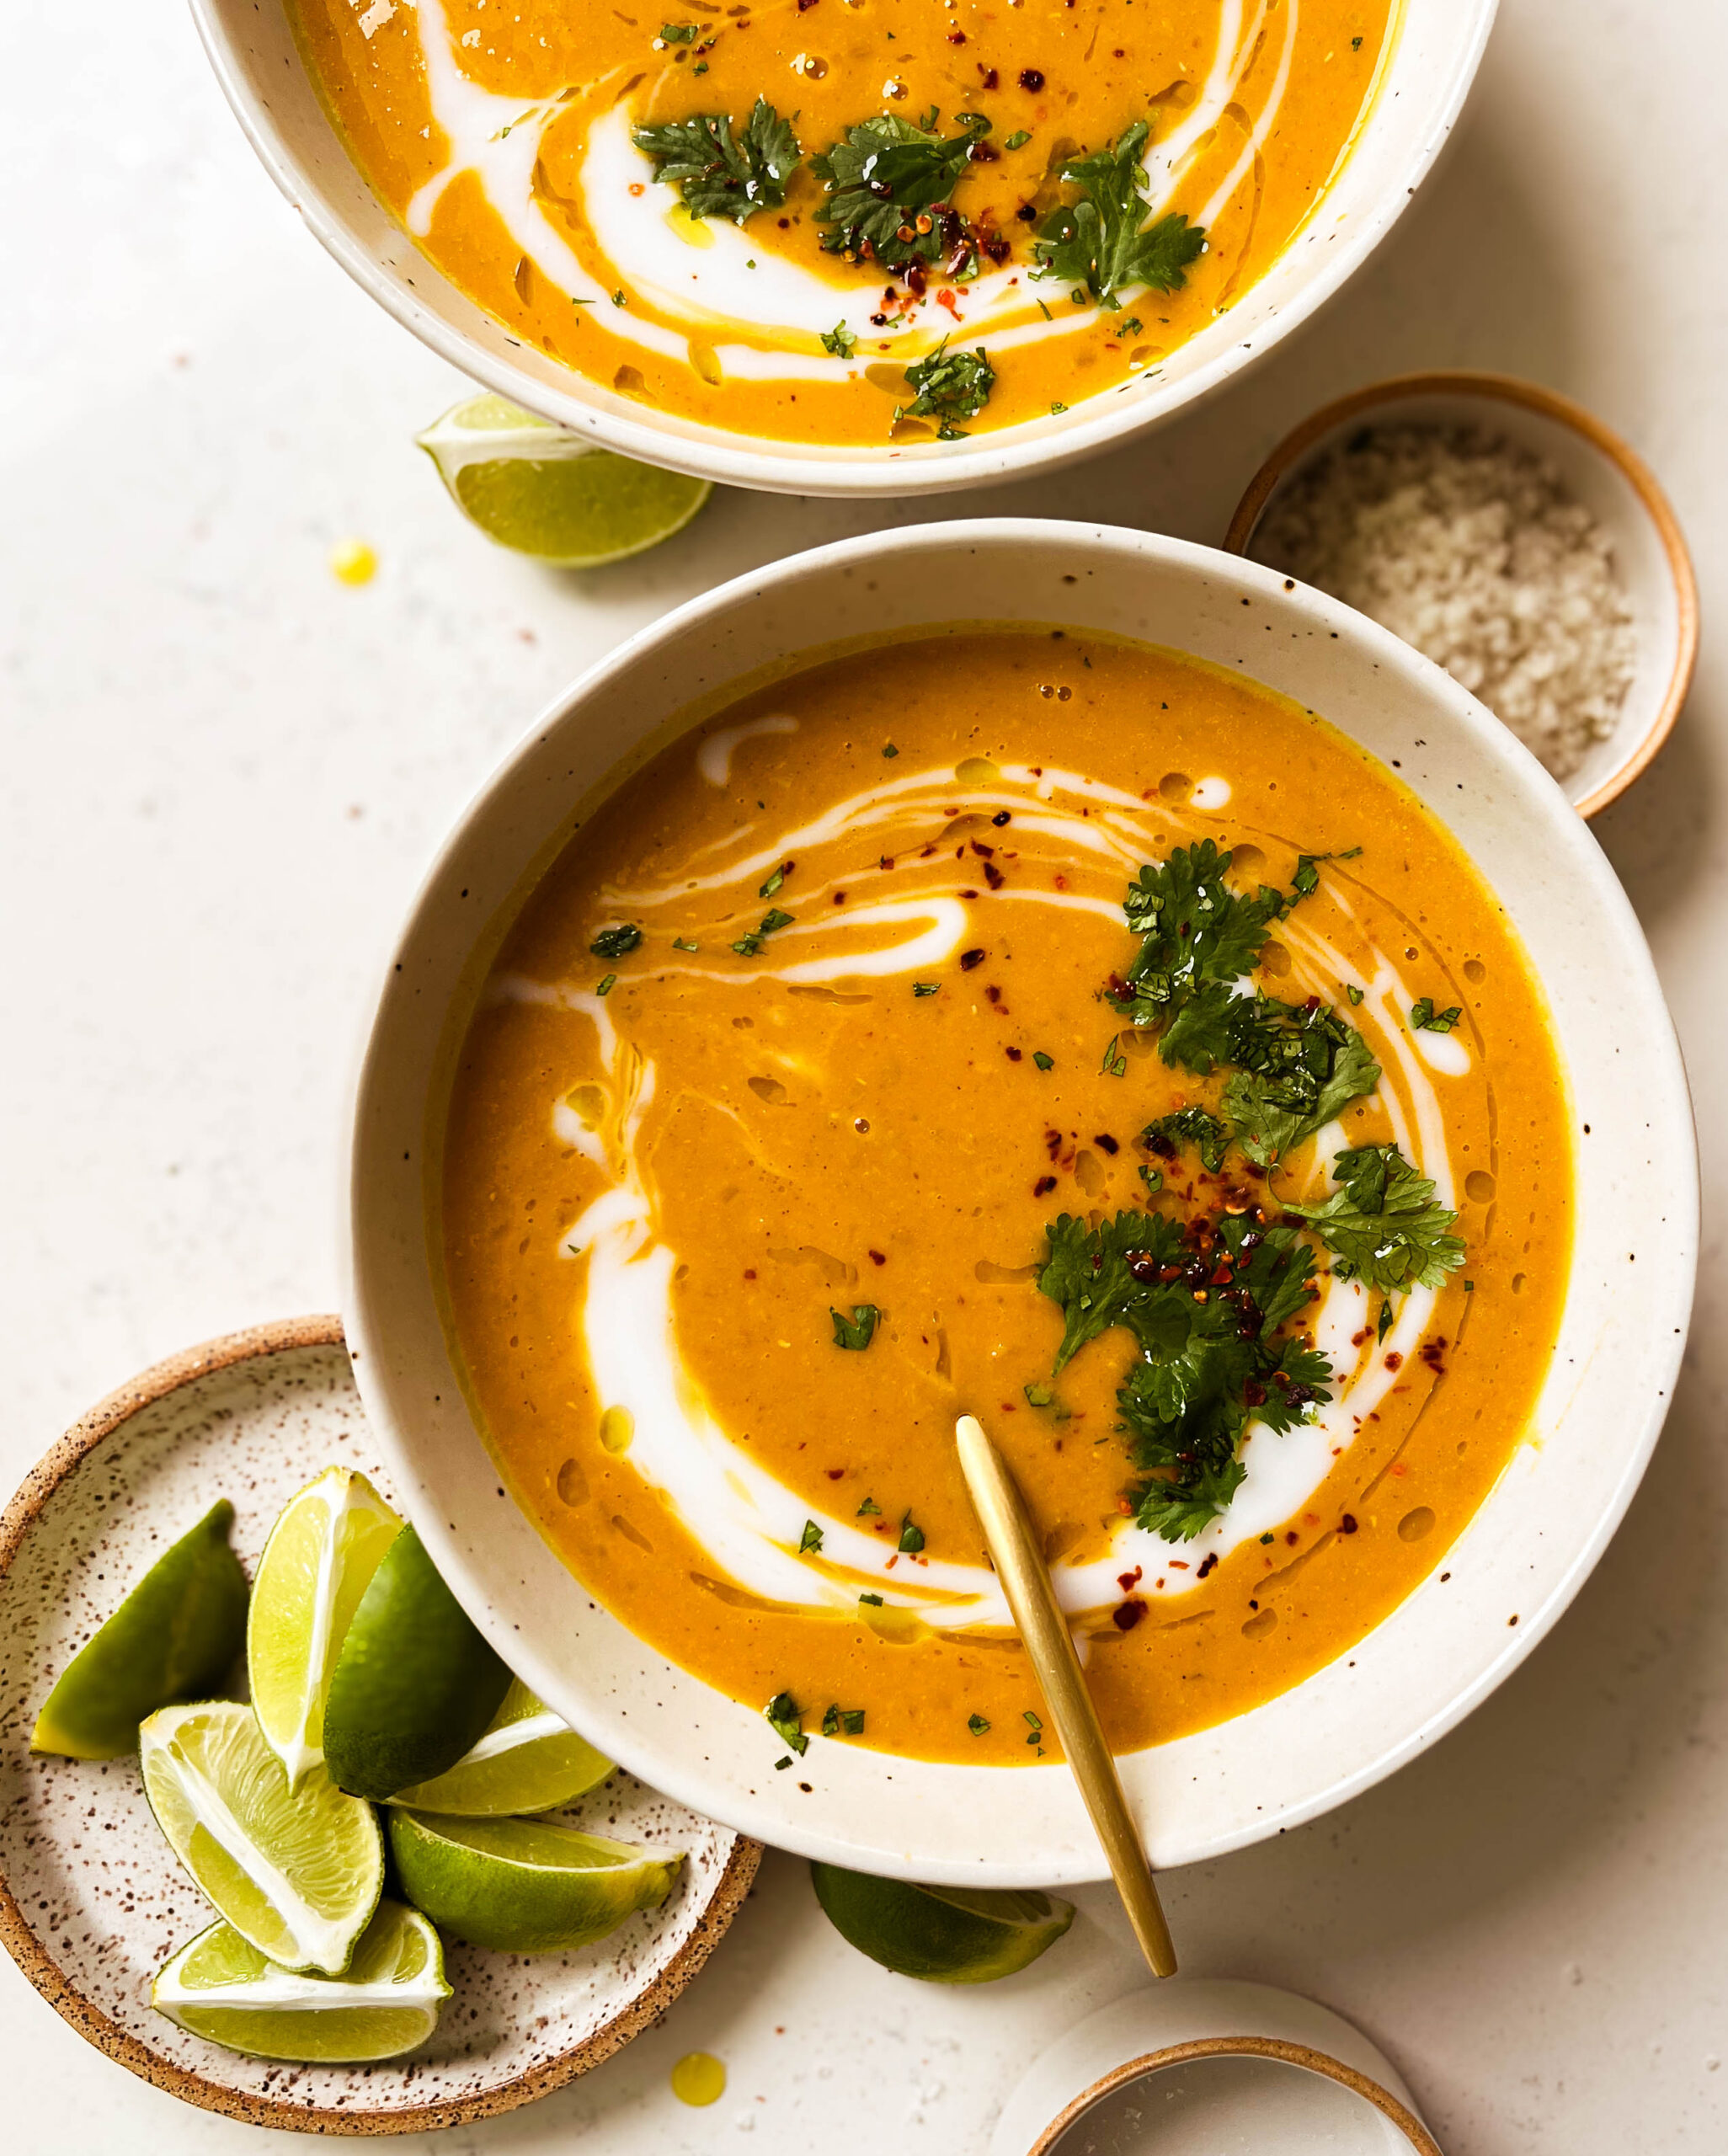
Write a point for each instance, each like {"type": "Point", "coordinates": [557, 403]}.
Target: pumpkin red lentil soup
{"type": "Point", "coordinates": [1031, 1024]}
{"type": "Point", "coordinates": [851, 221]}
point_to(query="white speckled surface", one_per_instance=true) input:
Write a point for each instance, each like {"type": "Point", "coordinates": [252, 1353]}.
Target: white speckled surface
{"type": "Point", "coordinates": [88, 1870]}
{"type": "Point", "coordinates": [225, 772]}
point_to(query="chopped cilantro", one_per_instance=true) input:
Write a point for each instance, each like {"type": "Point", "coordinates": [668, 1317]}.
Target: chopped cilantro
{"type": "Point", "coordinates": [887, 182]}
{"type": "Point", "coordinates": [604, 987]}
{"type": "Point", "coordinates": [616, 942]}
{"type": "Point", "coordinates": [780, 1765]}
{"type": "Point", "coordinates": [750, 945]}
{"type": "Point", "coordinates": [773, 884]}
{"type": "Point", "coordinates": [1198, 938]}
{"type": "Point", "coordinates": [1018, 139]}
{"type": "Point", "coordinates": [1188, 1127]}
{"type": "Point", "coordinates": [1427, 1020]}
{"type": "Point", "coordinates": [1306, 879]}
{"type": "Point", "coordinates": [843, 1721]}
{"type": "Point", "coordinates": [1044, 1396]}
{"type": "Point", "coordinates": [1384, 1324]}
{"type": "Point", "coordinates": [1031, 1720]}
{"type": "Point", "coordinates": [1266, 1538]}
{"type": "Point", "coordinates": [1115, 1063]}
{"type": "Point", "coordinates": [811, 1538]}
{"type": "Point", "coordinates": [678, 33]}
{"type": "Point", "coordinates": [1382, 1225]}
{"type": "Point", "coordinates": [1205, 1368]}
{"type": "Point", "coordinates": [874, 1600]}
{"type": "Point", "coordinates": [1298, 1063]}
{"type": "Point", "coordinates": [911, 1539]}
{"type": "Point", "coordinates": [1055, 409]}
{"type": "Point", "coordinates": [859, 1330]}
{"type": "Point", "coordinates": [773, 919]}
{"type": "Point", "coordinates": [976, 1724]}
{"type": "Point", "coordinates": [786, 1718]}
{"type": "Point", "coordinates": [949, 388]}
{"type": "Point", "coordinates": [869, 1509]}
{"type": "Point", "coordinates": [1098, 242]}
{"type": "Point", "coordinates": [1353, 992]}
{"type": "Point", "coordinates": [681, 943]}
{"type": "Point", "coordinates": [1044, 1062]}
{"type": "Point", "coordinates": [1154, 1179]}
{"type": "Point", "coordinates": [719, 176]}
{"type": "Point", "coordinates": [925, 987]}
{"type": "Point", "coordinates": [840, 341]}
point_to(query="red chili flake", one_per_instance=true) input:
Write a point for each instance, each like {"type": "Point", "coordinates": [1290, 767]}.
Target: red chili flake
{"type": "Point", "coordinates": [1431, 1351]}
{"type": "Point", "coordinates": [1127, 1615]}
{"type": "Point", "coordinates": [1357, 1338]}
{"type": "Point", "coordinates": [1179, 1564]}
{"type": "Point", "coordinates": [877, 1258]}
{"type": "Point", "coordinates": [1347, 1524]}
{"type": "Point", "coordinates": [993, 993]}
{"type": "Point", "coordinates": [1106, 1144]}
{"type": "Point", "coordinates": [1127, 1581]}
{"type": "Point", "coordinates": [945, 298]}
{"type": "Point", "coordinates": [992, 244]}
{"type": "Point", "coordinates": [969, 959]}
{"type": "Point", "coordinates": [955, 37]}
{"type": "Point", "coordinates": [1044, 1184]}
{"type": "Point", "coordinates": [1208, 1563]}
{"type": "Point", "coordinates": [1012, 1053]}
{"type": "Point", "coordinates": [988, 74]}
{"type": "Point", "coordinates": [994, 876]}
{"type": "Point", "coordinates": [886, 861]}
{"type": "Point", "coordinates": [1001, 817]}
{"type": "Point", "coordinates": [969, 895]}
{"type": "Point", "coordinates": [1395, 1361]}
{"type": "Point", "coordinates": [1031, 78]}
{"type": "Point", "coordinates": [983, 851]}
{"type": "Point", "coordinates": [750, 1274]}
{"type": "Point", "coordinates": [1292, 1538]}
{"type": "Point", "coordinates": [834, 1473]}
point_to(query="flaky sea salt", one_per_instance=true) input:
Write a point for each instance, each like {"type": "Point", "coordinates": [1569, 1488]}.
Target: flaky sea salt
{"type": "Point", "coordinates": [1472, 550]}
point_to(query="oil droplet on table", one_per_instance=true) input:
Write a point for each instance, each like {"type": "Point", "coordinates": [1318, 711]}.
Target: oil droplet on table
{"type": "Point", "coordinates": [698, 2077]}
{"type": "Point", "coordinates": [353, 561]}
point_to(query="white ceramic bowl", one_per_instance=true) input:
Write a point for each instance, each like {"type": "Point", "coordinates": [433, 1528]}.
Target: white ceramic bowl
{"type": "Point", "coordinates": [261, 69]}
{"type": "Point", "coordinates": [1599, 470]}
{"type": "Point", "coordinates": [1542, 1527]}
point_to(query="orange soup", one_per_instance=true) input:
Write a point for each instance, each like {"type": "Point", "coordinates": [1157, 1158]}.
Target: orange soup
{"type": "Point", "coordinates": [1034, 1025]}
{"type": "Point", "coordinates": [852, 221]}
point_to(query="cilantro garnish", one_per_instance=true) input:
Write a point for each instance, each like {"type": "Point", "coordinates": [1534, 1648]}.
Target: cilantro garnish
{"type": "Point", "coordinates": [1097, 243]}
{"type": "Point", "coordinates": [1306, 879]}
{"type": "Point", "coordinates": [786, 1718]}
{"type": "Point", "coordinates": [1198, 937]}
{"type": "Point", "coordinates": [1018, 139]}
{"type": "Point", "coordinates": [1188, 1127]}
{"type": "Point", "coordinates": [859, 1330]}
{"type": "Point", "coordinates": [1115, 1063]}
{"type": "Point", "coordinates": [843, 1721]}
{"type": "Point", "coordinates": [1044, 1396]}
{"type": "Point", "coordinates": [888, 181]}
{"type": "Point", "coordinates": [772, 884]}
{"type": "Point", "coordinates": [1205, 1306]}
{"type": "Point", "coordinates": [811, 1538]}
{"type": "Point", "coordinates": [874, 1600]}
{"type": "Point", "coordinates": [616, 942]}
{"type": "Point", "coordinates": [605, 986]}
{"type": "Point", "coordinates": [1044, 1062]}
{"type": "Point", "coordinates": [840, 341]}
{"type": "Point", "coordinates": [950, 387]}
{"type": "Point", "coordinates": [1154, 1179]}
{"type": "Point", "coordinates": [750, 945]}
{"type": "Point", "coordinates": [911, 1538]}
{"type": "Point", "coordinates": [719, 176]}
{"type": "Point", "coordinates": [678, 33]}
{"type": "Point", "coordinates": [869, 1509]}
{"type": "Point", "coordinates": [1427, 1020]}
{"type": "Point", "coordinates": [1383, 1324]}
{"type": "Point", "coordinates": [682, 943]}
{"type": "Point", "coordinates": [1297, 1065]}
{"type": "Point", "coordinates": [1382, 1225]}
{"type": "Point", "coordinates": [925, 987]}
{"type": "Point", "coordinates": [1353, 992]}
{"type": "Point", "coordinates": [976, 1724]}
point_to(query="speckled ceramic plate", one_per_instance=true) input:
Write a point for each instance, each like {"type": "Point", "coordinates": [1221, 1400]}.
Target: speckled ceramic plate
{"type": "Point", "coordinates": [91, 1901]}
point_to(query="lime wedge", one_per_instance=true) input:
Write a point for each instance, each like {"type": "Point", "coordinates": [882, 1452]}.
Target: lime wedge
{"type": "Point", "coordinates": [415, 1686]}
{"type": "Point", "coordinates": [528, 1761]}
{"type": "Point", "coordinates": [542, 490]}
{"type": "Point", "coordinates": [177, 1634]}
{"type": "Point", "coordinates": [323, 1549]}
{"type": "Point", "coordinates": [522, 1886]}
{"type": "Point", "coordinates": [298, 1873]}
{"type": "Point", "coordinates": [944, 1934]}
{"type": "Point", "coordinates": [219, 1987]}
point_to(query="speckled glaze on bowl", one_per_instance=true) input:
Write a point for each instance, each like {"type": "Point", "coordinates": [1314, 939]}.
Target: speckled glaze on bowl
{"type": "Point", "coordinates": [1410, 116]}
{"type": "Point", "coordinates": [91, 1901]}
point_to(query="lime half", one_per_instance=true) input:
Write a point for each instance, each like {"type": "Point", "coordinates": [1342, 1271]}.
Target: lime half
{"type": "Point", "coordinates": [323, 1549]}
{"type": "Point", "coordinates": [522, 1886]}
{"type": "Point", "coordinates": [528, 1761]}
{"type": "Point", "coordinates": [542, 490]}
{"type": "Point", "coordinates": [219, 1987]}
{"type": "Point", "coordinates": [177, 1635]}
{"type": "Point", "coordinates": [944, 1934]}
{"type": "Point", "coordinates": [415, 1684]}
{"type": "Point", "coordinates": [298, 1873]}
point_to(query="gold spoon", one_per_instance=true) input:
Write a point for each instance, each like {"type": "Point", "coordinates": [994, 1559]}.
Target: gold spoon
{"type": "Point", "coordinates": [1025, 1580]}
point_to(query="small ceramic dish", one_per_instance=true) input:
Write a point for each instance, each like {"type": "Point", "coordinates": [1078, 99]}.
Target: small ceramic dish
{"type": "Point", "coordinates": [92, 1900]}
{"type": "Point", "coordinates": [1533, 1540]}
{"type": "Point", "coordinates": [1204, 2064]}
{"type": "Point", "coordinates": [1422, 87]}
{"type": "Point", "coordinates": [1600, 470]}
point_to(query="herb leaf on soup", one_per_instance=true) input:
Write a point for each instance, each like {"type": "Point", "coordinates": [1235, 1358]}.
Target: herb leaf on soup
{"type": "Point", "coordinates": [1382, 1224]}
{"type": "Point", "coordinates": [786, 1718]}
{"type": "Point", "coordinates": [888, 181]}
{"type": "Point", "coordinates": [1195, 1126]}
{"type": "Point", "coordinates": [616, 942]}
{"type": "Point", "coordinates": [1297, 1065]}
{"type": "Point", "coordinates": [1098, 243]}
{"type": "Point", "coordinates": [1197, 936]}
{"type": "Point", "coordinates": [718, 174]}
{"type": "Point", "coordinates": [858, 1331]}
{"type": "Point", "coordinates": [949, 386]}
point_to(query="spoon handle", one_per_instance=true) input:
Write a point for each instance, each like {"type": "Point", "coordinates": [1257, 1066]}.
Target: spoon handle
{"type": "Point", "coordinates": [1031, 1596]}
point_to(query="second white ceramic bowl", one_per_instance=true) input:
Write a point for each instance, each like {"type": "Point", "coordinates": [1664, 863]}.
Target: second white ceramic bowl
{"type": "Point", "coordinates": [1422, 88]}
{"type": "Point", "coordinates": [1541, 1528]}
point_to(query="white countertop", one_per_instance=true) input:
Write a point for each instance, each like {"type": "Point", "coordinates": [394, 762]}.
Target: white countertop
{"type": "Point", "coordinates": [224, 772]}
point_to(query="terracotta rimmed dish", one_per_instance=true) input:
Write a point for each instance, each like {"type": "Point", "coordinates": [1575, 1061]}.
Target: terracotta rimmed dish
{"type": "Point", "coordinates": [1421, 94]}
{"type": "Point", "coordinates": [89, 1917]}
{"type": "Point", "coordinates": [1126, 2046]}
{"type": "Point", "coordinates": [1530, 1545]}
{"type": "Point", "coordinates": [1602, 471]}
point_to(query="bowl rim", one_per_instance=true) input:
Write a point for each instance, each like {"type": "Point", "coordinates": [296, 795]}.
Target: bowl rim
{"type": "Point", "coordinates": [63, 1459]}
{"type": "Point", "coordinates": [1305, 2055]}
{"type": "Point", "coordinates": [729, 459]}
{"type": "Point", "coordinates": [363, 1268]}
{"type": "Point", "coordinates": [1548, 404]}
